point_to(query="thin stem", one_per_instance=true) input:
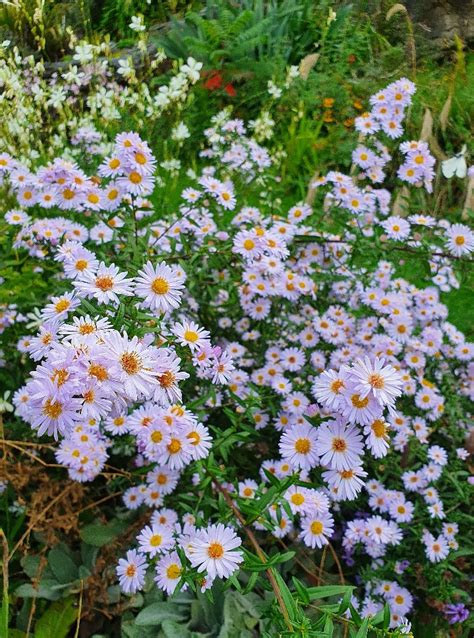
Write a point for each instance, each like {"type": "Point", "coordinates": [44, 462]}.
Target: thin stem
{"type": "Point", "coordinates": [258, 550]}
{"type": "Point", "coordinates": [39, 517]}
{"type": "Point", "coordinates": [5, 601]}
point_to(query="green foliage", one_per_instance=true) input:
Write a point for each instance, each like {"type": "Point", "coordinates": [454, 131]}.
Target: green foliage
{"type": "Point", "coordinates": [56, 620]}
{"type": "Point", "coordinates": [248, 31]}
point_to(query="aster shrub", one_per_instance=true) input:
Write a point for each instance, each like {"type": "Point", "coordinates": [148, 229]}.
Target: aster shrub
{"type": "Point", "coordinates": [274, 394]}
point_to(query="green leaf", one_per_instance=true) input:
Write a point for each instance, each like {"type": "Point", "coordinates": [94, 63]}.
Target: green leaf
{"type": "Point", "coordinates": [363, 630]}
{"type": "Point", "coordinates": [45, 589]}
{"type": "Point", "coordinates": [31, 565]}
{"type": "Point", "coordinates": [280, 558]}
{"type": "Point", "coordinates": [301, 590]}
{"type": "Point", "coordinates": [56, 620]}
{"type": "Point", "coordinates": [386, 616]}
{"type": "Point", "coordinates": [62, 566]}
{"type": "Point", "coordinates": [88, 555]}
{"type": "Point", "coordinates": [345, 602]}
{"type": "Point", "coordinates": [287, 596]}
{"type": "Point", "coordinates": [172, 629]}
{"type": "Point", "coordinates": [329, 626]}
{"type": "Point", "coordinates": [325, 591]}
{"type": "Point", "coordinates": [99, 535]}
{"type": "Point", "coordinates": [156, 613]}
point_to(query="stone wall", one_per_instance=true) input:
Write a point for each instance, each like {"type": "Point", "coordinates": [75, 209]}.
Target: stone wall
{"type": "Point", "coordinates": [443, 19]}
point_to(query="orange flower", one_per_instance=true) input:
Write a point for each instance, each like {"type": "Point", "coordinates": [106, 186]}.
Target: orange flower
{"type": "Point", "coordinates": [328, 117]}
{"type": "Point", "coordinates": [348, 122]}
{"type": "Point", "coordinates": [357, 104]}
{"type": "Point", "coordinates": [328, 102]}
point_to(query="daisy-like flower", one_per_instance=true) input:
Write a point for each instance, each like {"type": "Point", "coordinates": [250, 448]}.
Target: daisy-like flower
{"type": "Point", "coordinates": [214, 550]}
{"type": "Point", "coordinates": [200, 440]}
{"type": "Point", "coordinates": [155, 540]}
{"type": "Point", "coordinates": [298, 499]}
{"type": "Point", "coordinates": [402, 510]}
{"type": "Point", "coordinates": [436, 548]}
{"type": "Point", "coordinates": [298, 446]}
{"type": "Point", "coordinates": [384, 383]}
{"type": "Point", "coordinates": [339, 446]}
{"type": "Point", "coordinates": [247, 488]}
{"type": "Point", "coordinates": [176, 451]}
{"type": "Point", "coordinates": [328, 388]}
{"type": "Point", "coordinates": [105, 284]}
{"type": "Point", "coordinates": [166, 517]}
{"type": "Point", "coordinates": [168, 376]}
{"type": "Point", "coordinates": [159, 286]}
{"type": "Point", "coordinates": [378, 530]}
{"type": "Point", "coordinates": [396, 227]}
{"type": "Point", "coordinates": [164, 479]}
{"type": "Point", "coordinates": [345, 484]}
{"type": "Point", "coordinates": [131, 571]}
{"type": "Point", "coordinates": [135, 364]}
{"type": "Point", "coordinates": [460, 240]}
{"type": "Point", "coordinates": [132, 498]}
{"type": "Point", "coordinates": [438, 455]}
{"type": "Point", "coordinates": [191, 335]}
{"type": "Point", "coordinates": [168, 572]}
{"type": "Point", "coordinates": [226, 197]}
{"type": "Point", "coordinates": [60, 306]}
{"type": "Point", "coordinates": [315, 530]}
{"type": "Point", "coordinates": [377, 437]}
{"type": "Point", "coordinates": [450, 530]}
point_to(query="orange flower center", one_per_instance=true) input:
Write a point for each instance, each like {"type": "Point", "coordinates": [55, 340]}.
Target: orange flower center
{"type": "Point", "coordinates": [215, 550]}
{"type": "Point", "coordinates": [104, 283]}
{"type": "Point", "coordinates": [131, 362]}
{"type": "Point", "coordinates": [339, 445]}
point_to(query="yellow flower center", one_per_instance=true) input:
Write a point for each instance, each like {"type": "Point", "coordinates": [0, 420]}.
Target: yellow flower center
{"type": "Point", "coordinates": [357, 402]}
{"type": "Point", "coordinates": [173, 571]}
{"type": "Point", "coordinates": [156, 436]}
{"type": "Point", "coordinates": [174, 446]}
{"type": "Point", "coordinates": [135, 177]}
{"type": "Point", "coordinates": [62, 305]}
{"type": "Point", "coordinates": [160, 286]}
{"type": "Point", "coordinates": [156, 540]}
{"type": "Point", "coordinates": [379, 428]}
{"type": "Point", "coordinates": [302, 446]}
{"type": "Point", "coordinates": [336, 386]}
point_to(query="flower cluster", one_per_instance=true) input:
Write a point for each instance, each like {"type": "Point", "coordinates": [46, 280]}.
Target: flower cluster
{"type": "Point", "coordinates": [332, 369]}
{"type": "Point", "coordinates": [210, 552]}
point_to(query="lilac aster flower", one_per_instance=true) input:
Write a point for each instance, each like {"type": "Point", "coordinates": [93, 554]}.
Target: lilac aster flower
{"type": "Point", "coordinates": [455, 613]}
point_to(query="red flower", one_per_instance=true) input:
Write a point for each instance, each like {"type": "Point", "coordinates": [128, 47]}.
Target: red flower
{"type": "Point", "coordinates": [214, 81]}
{"type": "Point", "coordinates": [229, 89]}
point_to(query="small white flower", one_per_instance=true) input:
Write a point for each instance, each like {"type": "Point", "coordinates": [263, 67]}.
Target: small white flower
{"type": "Point", "coordinates": [137, 24]}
